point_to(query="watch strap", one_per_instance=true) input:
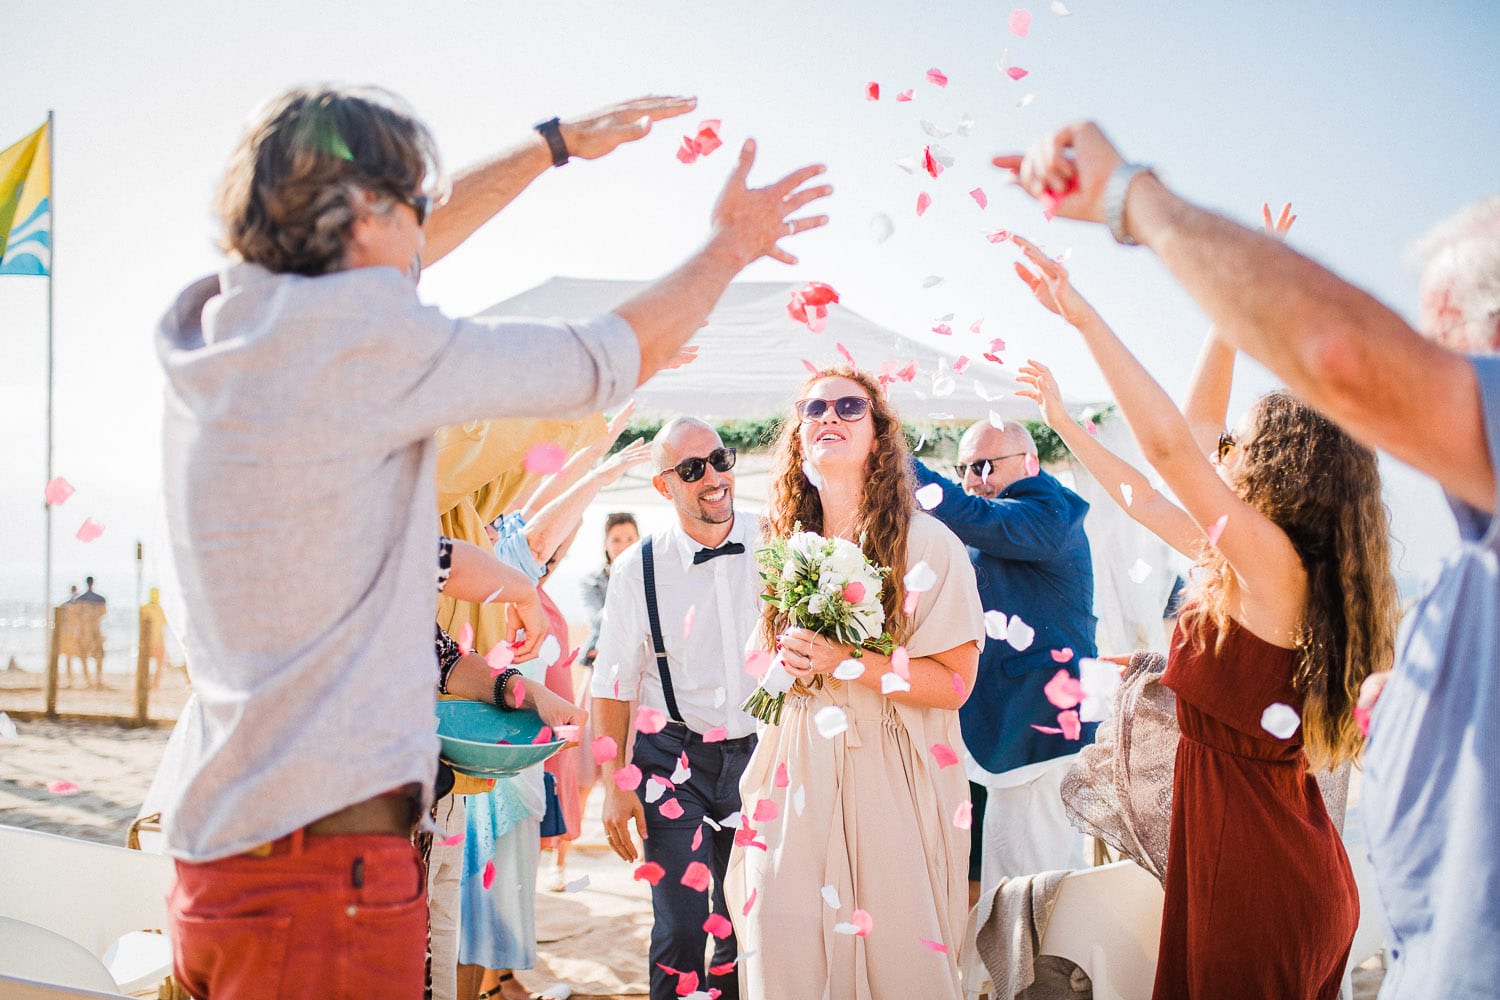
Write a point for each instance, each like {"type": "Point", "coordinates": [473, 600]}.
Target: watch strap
{"type": "Point", "coordinates": [551, 130]}
{"type": "Point", "coordinates": [1115, 190]}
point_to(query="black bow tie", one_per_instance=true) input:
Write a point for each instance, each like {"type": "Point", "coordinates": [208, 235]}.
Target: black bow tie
{"type": "Point", "coordinates": [727, 549]}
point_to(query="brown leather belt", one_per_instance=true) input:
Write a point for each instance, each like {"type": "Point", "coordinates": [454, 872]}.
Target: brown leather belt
{"type": "Point", "coordinates": [390, 812]}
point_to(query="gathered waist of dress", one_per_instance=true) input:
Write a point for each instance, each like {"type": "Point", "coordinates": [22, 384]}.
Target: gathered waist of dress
{"type": "Point", "coordinates": [1232, 743]}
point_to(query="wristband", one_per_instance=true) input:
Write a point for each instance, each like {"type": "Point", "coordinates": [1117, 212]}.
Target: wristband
{"type": "Point", "coordinates": [498, 695]}
{"type": "Point", "coordinates": [551, 130]}
{"type": "Point", "coordinates": [1115, 190]}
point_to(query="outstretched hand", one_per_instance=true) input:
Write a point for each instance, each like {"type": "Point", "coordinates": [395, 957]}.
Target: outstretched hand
{"type": "Point", "coordinates": [1041, 388]}
{"type": "Point", "coordinates": [595, 134]}
{"type": "Point", "coordinates": [749, 222]}
{"type": "Point", "coordinates": [1067, 170]}
{"type": "Point", "coordinates": [615, 466]}
{"type": "Point", "coordinates": [1277, 229]}
{"type": "Point", "coordinates": [1050, 283]}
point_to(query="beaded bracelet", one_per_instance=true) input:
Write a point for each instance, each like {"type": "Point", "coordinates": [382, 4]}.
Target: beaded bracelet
{"type": "Point", "coordinates": [499, 691]}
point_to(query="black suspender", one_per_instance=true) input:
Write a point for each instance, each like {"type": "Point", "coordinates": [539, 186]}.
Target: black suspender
{"type": "Point", "coordinates": [648, 565]}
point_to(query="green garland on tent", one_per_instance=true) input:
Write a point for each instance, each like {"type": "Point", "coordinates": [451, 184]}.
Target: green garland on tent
{"type": "Point", "coordinates": [926, 440]}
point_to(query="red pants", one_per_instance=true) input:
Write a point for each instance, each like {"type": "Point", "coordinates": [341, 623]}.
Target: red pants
{"type": "Point", "coordinates": [341, 916]}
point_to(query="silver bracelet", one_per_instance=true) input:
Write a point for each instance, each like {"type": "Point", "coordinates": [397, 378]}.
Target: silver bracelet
{"type": "Point", "coordinates": [1115, 190]}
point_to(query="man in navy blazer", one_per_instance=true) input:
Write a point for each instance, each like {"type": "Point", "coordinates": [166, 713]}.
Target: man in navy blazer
{"type": "Point", "coordinates": [1024, 531]}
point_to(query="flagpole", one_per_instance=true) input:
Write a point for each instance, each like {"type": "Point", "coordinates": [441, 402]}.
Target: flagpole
{"type": "Point", "coordinates": [47, 516]}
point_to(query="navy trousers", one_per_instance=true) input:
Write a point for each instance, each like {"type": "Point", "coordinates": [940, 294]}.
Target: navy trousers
{"type": "Point", "coordinates": [678, 939]}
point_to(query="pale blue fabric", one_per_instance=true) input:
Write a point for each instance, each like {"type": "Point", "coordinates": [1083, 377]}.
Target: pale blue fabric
{"type": "Point", "coordinates": [497, 926]}
{"type": "Point", "coordinates": [1432, 785]}
{"type": "Point", "coordinates": [512, 549]}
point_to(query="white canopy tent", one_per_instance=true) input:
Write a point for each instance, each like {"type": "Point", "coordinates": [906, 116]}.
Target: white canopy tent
{"type": "Point", "coordinates": [749, 366]}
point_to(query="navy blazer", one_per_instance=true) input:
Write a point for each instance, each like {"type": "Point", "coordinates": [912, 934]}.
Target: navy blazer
{"type": "Point", "coordinates": [1031, 559]}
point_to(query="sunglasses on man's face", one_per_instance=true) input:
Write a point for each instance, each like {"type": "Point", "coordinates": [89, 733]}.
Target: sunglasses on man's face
{"type": "Point", "coordinates": [982, 467]}
{"type": "Point", "coordinates": [690, 470]}
{"type": "Point", "coordinates": [847, 408]}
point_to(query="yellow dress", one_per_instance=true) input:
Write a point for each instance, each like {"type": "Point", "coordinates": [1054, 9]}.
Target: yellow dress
{"type": "Point", "coordinates": [876, 824]}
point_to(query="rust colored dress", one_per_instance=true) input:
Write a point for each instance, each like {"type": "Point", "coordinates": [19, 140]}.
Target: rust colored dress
{"type": "Point", "coordinates": [1260, 900]}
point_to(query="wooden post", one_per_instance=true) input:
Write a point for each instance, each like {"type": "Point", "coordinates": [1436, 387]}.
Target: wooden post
{"type": "Point", "coordinates": [142, 670]}
{"type": "Point", "coordinates": [54, 653]}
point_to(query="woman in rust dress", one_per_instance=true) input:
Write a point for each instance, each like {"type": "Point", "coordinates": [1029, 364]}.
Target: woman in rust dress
{"type": "Point", "coordinates": [1292, 606]}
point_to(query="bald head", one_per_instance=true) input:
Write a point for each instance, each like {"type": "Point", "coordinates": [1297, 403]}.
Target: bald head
{"type": "Point", "coordinates": [667, 448]}
{"type": "Point", "coordinates": [1005, 448]}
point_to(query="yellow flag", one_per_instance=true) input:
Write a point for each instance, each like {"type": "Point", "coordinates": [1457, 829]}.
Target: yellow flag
{"type": "Point", "coordinates": [26, 205]}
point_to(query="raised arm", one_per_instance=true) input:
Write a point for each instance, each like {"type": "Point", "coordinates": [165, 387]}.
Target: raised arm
{"type": "Point", "coordinates": [481, 191]}
{"type": "Point", "coordinates": [1125, 484]}
{"type": "Point", "coordinates": [1336, 346]}
{"type": "Point", "coordinates": [1272, 581]}
{"type": "Point", "coordinates": [578, 465]}
{"type": "Point", "coordinates": [557, 521]}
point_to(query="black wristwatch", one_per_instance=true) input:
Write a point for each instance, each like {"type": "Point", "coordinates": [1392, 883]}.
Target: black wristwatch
{"type": "Point", "coordinates": [552, 131]}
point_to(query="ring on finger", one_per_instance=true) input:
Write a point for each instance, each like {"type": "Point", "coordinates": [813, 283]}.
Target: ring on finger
{"type": "Point", "coordinates": [790, 228]}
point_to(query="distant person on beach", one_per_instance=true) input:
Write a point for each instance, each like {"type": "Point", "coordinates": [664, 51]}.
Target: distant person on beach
{"type": "Point", "coordinates": [70, 646]}
{"type": "Point", "coordinates": [154, 636]}
{"type": "Point", "coordinates": [307, 376]}
{"type": "Point", "coordinates": [90, 617]}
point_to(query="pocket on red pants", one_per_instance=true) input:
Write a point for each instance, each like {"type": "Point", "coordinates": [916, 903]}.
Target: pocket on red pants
{"type": "Point", "coordinates": [239, 958]}
{"type": "Point", "coordinates": [385, 953]}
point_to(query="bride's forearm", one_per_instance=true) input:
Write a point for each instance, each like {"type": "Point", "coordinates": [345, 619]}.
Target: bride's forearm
{"type": "Point", "coordinates": [935, 682]}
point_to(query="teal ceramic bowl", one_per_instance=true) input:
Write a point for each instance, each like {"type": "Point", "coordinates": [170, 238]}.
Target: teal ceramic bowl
{"type": "Point", "coordinates": [471, 733]}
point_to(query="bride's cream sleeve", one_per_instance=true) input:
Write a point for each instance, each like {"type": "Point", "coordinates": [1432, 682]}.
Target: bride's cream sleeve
{"type": "Point", "coordinates": [949, 614]}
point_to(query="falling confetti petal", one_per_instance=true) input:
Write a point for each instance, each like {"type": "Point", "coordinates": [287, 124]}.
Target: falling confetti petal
{"type": "Point", "coordinates": [1060, 9]}
{"type": "Point", "coordinates": [936, 946]}
{"type": "Point", "coordinates": [757, 662]}
{"type": "Point", "coordinates": [745, 910]}
{"type": "Point", "coordinates": [923, 201]}
{"type": "Point", "coordinates": [7, 728]}
{"type": "Point", "coordinates": [1127, 493]}
{"type": "Point", "coordinates": [1280, 720]}
{"type": "Point", "coordinates": [849, 670]}
{"type": "Point", "coordinates": [799, 799]}
{"type": "Point", "coordinates": [550, 651]}
{"type": "Point", "coordinates": [813, 476]}
{"type": "Point", "coordinates": [1019, 634]}
{"type": "Point", "coordinates": [961, 365]}
{"type": "Point", "coordinates": [671, 809]}
{"type": "Point", "coordinates": [543, 735]}
{"type": "Point", "coordinates": [628, 778]}
{"type": "Point", "coordinates": [929, 496]}
{"type": "Point", "coordinates": [812, 368]}
{"type": "Point", "coordinates": [995, 624]}
{"type": "Point", "coordinates": [604, 748]}
{"type": "Point", "coordinates": [906, 95]}
{"type": "Point", "coordinates": [544, 459]}
{"type": "Point", "coordinates": [1016, 73]}
{"type": "Point", "coordinates": [893, 684]}
{"type": "Point", "coordinates": [719, 697]}
{"type": "Point", "coordinates": [649, 872]}
{"type": "Point", "coordinates": [975, 326]}
{"type": "Point", "coordinates": [656, 787]}
{"type": "Point", "coordinates": [1100, 680]}
{"type": "Point", "coordinates": [930, 163]}
{"type": "Point", "coordinates": [696, 876]}
{"type": "Point", "coordinates": [1216, 530]}
{"type": "Point", "coordinates": [936, 131]}
{"type": "Point", "coordinates": [830, 896]}
{"type": "Point", "coordinates": [1062, 655]}
{"type": "Point", "coordinates": [466, 639]}
{"type": "Point", "coordinates": [872, 91]}
{"type": "Point", "coordinates": [963, 816]}
{"type": "Point", "coordinates": [1362, 719]}
{"type": "Point", "coordinates": [862, 920]}
{"type": "Point", "coordinates": [979, 196]}
{"type": "Point", "coordinates": [937, 77]}
{"type": "Point", "coordinates": [687, 620]}
{"type": "Point", "coordinates": [765, 811]}
{"type": "Point", "coordinates": [58, 786]}
{"type": "Point", "coordinates": [500, 657]}
{"type": "Point", "coordinates": [683, 771]}
{"type": "Point", "coordinates": [452, 841]}
{"type": "Point", "coordinates": [997, 421]}
{"type": "Point", "coordinates": [650, 720]}
{"type": "Point", "coordinates": [943, 330]}
{"type": "Point", "coordinates": [1071, 727]}
{"type": "Point", "coordinates": [920, 577]}
{"type": "Point", "coordinates": [58, 490]}
{"type": "Point", "coordinates": [718, 734]}
{"type": "Point", "coordinates": [698, 837]}
{"type": "Point", "coordinates": [958, 686]}
{"type": "Point", "coordinates": [932, 281]}
{"type": "Point", "coordinates": [831, 721]}
{"type": "Point", "coordinates": [1020, 23]}
{"type": "Point", "coordinates": [965, 125]}
{"type": "Point", "coordinates": [854, 592]}
{"type": "Point", "coordinates": [89, 530]}
{"type": "Point", "coordinates": [881, 227]}
{"type": "Point", "coordinates": [577, 885]}
{"type": "Point", "coordinates": [1093, 429]}
{"type": "Point", "coordinates": [1025, 100]}
{"type": "Point", "coordinates": [718, 925]}
{"type": "Point", "coordinates": [1139, 571]}
{"type": "Point", "coordinates": [1063, 691]}
{"type": "Point", "coordinates": [909, 606]}
{"type": "Point", "coordinates": [782, 779]}
{"type": "Point", "coordinates": [489, 874]}
{"type": "Point", "coordinates": [944, 754]}
{"type": "Point", "coordinates": [1049, 730]}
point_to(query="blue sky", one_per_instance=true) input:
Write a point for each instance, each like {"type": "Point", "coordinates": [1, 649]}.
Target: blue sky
{"type": "Point", "coordinates": [1370, 119]}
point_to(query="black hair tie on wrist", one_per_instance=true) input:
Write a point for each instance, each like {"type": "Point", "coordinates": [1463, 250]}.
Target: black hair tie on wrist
{"type": "Point", "coordinates": [551, 130]}
{"type": "Point", "coordinates": [498, 695]}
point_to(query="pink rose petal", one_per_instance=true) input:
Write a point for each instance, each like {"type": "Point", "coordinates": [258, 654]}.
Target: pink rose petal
{"type": "Point", "coordinates": [1020, 23]}
{"type": "Point", "coordinates": [1362, 719]}
{"type": "Point", "coordinates": [466, 638]}
{"type": "Point", "coordinates": [936, 946]}
{"type": "Point", "coordinates": [688, 151]}
{"type": "Point", "coordinates": [543, 735]}
{"type": "Point", "coordinates": [979, 196]}
{"type": "Point", "coordinates": [937, 77]}
{"type": "Point", "coordinates": [698, 837]}
{"type": "Point", "coordinates": [59, 786]}
{"type": "Point", "coordinates": [872, 91]}
{"type": "Point", "coordinates": [847, 356]}
{"type": "Point", "coordinates": [1062, 655]}
{"type": "Point", "coordinates": [1063, 691]}
{"type": "Point", "coordinates": [765, 811]}
{"type": "Point", "coordinates": [627, 778]}
{"type": "Point", "coordinates": [944, 754]}
{"type": "Point", "coordinates": [718, 734]}
{"type": "Point", "coordinates": [722, 970]}
{"type": "Point", "coordinates": [1049, 730]}
{"type": "Point", "coordinates": [863, 921]}
{"type": "Point", "coordinates": [544, 459]}
{"type": "Point", "coordinates": [649, 872]}
{"type": "Point", "coordinates": [901, 662]}
{"type": "Point", "coordinates": [958, 685]}
{"type": "Point", "coordinates": [1016, 72]}
{"type": "Point", "coordinates": [519, 687]}
{"type": "Point", "coordinates": [998, 236]}
{"type": "Point", "coordinates": [910, 604]}
{"type": "Point", "coordinates": [650, 720]}
{"type": "Point", "coordinates": [960, 365]}
{"type": "Point", "coordinates": [1070, 725]}
{"type": "Point", "coordinates": [696, 876]}
{"type": "Point", "coordinates": [489, 874]}
{"type": "Point", "coordinates": [499, 657]}
{"type": "Point", "coordinates": [1093, 429]}
{"type": "Point", "coordinates": [745, 910]}
{"type": "Point", "coordinates": [1216, 530]}
{"type": "Point", "coordinates": [963, 816]}
{"type": "Point", "coordinates": [943, 330]}
{"type": "Point", "coordinates": [813, 369]}
{"type": "Point", "coordinates": [757, 663]}
{"type": "Point", "coordinates": [708, 139]}
{"type": "Point", "coordinates": [454, 840]}
{"type": "Point", "coordinates": [58, 490]}
{"type": "Point", "coordinates": [924, 200]}
{"type": "Point", "coordinates": [687, 983]}
{"type": "Point", "coordinates": [605, 748]}
{"type": "Point", "coordinates": [906, 95]}
{"type": "Point", "coordinates": [718, 925]}
{"type": "Point", "coordinates": [782, 779]}
{"type": "Point", "coordinates": [670, 808]}
{"type": "Point", "coordinates": [89, 530]}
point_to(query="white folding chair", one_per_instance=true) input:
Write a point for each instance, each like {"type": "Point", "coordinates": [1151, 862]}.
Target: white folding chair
{"type": "Point", "coordinates": [1369, 936]}
{"type": "Point", "coordinates": [34, 953]}
{"type": "Point", "coordinates": [93, 894]}
{"type": "Point", "coordinates": [1107, 920]}
{"type": "Point", "coordinates": [18, 988]}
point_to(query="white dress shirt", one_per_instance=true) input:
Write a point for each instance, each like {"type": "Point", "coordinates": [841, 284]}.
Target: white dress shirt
{"type": "Point", "coordinates": [708, 613]}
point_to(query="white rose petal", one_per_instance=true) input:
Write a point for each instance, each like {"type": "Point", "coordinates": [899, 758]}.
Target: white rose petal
{"type": "Point", "coordinates": [995, 624]}
{"type": "Point", "coordinates": [1280, 720]}
{"type": "Point", "coordinates": [849, 670]}
{"type": "Point", "coordinates": [965, 124]}
{"type": "Point", "coordinates": [943, 386]}
{"type": "Point", "coordinates": [941, 155]}
{"type": "Point", "coordinates": [930, 496]}
{"type": "Point", "coordinates": [932, 281]}
{"type": "Point", "coordinates": [1019, 634]}
{"type": "Point", "coordinates": [1099, 679]}
{"type": "Point", "coordinates": [799, 799]}
{"type": "Point", "coordinates": [7, 728]}
{"type": "Point", "coordinates": [1127, 494]}
{"type": "Point", "coordinates": [831, 721]}
{"type": "Point", "coordinates": [881, 227]}
{"type": "Point", "coordinates": [831, 896]}
{"type": "Point", "coordinates": [812, 474]}
{"type": "Point", "coordinates": [1060, 9]}
{"type": "Point", "coordinates": [577, 885]}
{"type": "Point", "coordinates": [892, 682]}
{"type": "Point", "coordinates": [920, 578]}
{"type": "Point", "coordinates": [719, 696]}
{"type": "Point", "coordinates": [681, 772]}
{"type": "Point", "coordinates": [731, 821]}
{"type": "Point", "coordinates": [907, 163]}
{"type": "Point", "coordinates": [936, 131]}
{"type": "Point", "coordinates": [654, 790]}
{"type": "Point", "coordinates": [845, 927]}
{"type": "Point", "coordinates": [1024, 101]}
{"type": "Point", "coordinates": [996, 420]}
{"type": "Point", "coordinates": [1139, 571]}
{"type": "Point", "coordinates": [550, 652]}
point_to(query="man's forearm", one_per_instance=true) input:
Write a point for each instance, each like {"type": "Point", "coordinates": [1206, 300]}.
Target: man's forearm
{"type": "Point", "coordinates": [666, 315]}
{"type": "Point", "coordinates": [612, 719]}
{"type": "Point", "coordinates": [480, 192]}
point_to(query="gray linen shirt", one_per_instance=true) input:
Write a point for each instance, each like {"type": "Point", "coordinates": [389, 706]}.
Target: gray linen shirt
{"type": "Point", "coordinates": [299, 461]}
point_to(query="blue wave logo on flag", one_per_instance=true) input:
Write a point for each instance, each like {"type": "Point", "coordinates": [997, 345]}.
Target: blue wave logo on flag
{"type": "Point", "coordinates": [26, 205]}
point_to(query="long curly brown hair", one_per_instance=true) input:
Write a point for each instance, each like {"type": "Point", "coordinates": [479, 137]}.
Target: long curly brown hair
{"type": "Point", "coordinates": [1322, 488]}
{"type": "Point", "coordinates": [885, 507]}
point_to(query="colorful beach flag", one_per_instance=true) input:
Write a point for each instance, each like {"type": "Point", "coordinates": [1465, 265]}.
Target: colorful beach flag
{"type": "Point", "coordinates": [26, 205]}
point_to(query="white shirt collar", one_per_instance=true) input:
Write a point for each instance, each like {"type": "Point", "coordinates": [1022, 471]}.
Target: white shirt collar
{"type": "Point", "coordinates": [742, 531]}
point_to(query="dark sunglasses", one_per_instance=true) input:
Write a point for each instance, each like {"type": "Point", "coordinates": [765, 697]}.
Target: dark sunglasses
{"type": "Point", "coordinates": [690, 470]}
{"type": "Point", "coordinates": [1227, 443]}
{"type": "Point", "coordinates": [984, 466]}
{"type": "Point", "coordinates": [847, 408]}
{"type": "Point", "coordinates": [419, 203]}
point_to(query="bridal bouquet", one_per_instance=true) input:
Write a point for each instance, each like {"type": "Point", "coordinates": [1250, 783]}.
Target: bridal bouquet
{"type": "Point", "coordinates": [825, 585]}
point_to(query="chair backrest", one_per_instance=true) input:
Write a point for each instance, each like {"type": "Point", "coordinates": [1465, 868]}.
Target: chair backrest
{"type": "Point", "coordinates": [1108, 921]}
{"type": "Point", "coordinates": [19, 988]}
{"type": "Point", "coordinates": [90, 893]}
{"type": "Point", "coordinates": [31, 952]}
